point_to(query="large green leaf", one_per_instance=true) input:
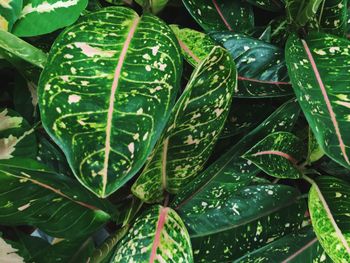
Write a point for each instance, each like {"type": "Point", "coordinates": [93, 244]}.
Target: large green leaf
{"type": "Point", "coordinates": [32, 194]}
{"type": "Point", "coordinates": [45, 16]}
{"type": "Point", "coordinates": [19, 48]}
{"type": "Point", "coordinates": [299, 247]}
{"type": "Point", "coordinates": [278, 155]}
{"type": "Point", "coordinates": [318, 67]}
{"type": "Point", "coordinates": [261, 66]}
{"type": "Point", "coordinates": [159, 235]}
{"type": "Point", "coordinates": [221, 15]}
{"type": "Point", "coordinates": [192, 130]}
{"type": "Point", "coordinates": [225, 227]}
{"type": "Point", "coordinates": [16, 136]}
{"type": "Point", "coordinates": [221, 175]}
{"type": "Point", "coordinates": [9, 13]}
{"type": "Point", "coordinates": [333, 16]}
{"type": "Point", "coordinates": [329, 210]}
{"type": "Point", "coordinates": [106, 103]}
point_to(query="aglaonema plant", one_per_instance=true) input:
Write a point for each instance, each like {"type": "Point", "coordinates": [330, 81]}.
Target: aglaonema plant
{"type": "Point", "coordinates": [169, 131]}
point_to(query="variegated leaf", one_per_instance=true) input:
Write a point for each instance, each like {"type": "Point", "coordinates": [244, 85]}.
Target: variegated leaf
{"type": "Point", "coordinates": [220, 176]}
{"type": "Point", "coordinates": [261, 66]}
{"type": "Point", "coordinates": [299, 12]}
{"type": "Point", "coordinates": [17, 47]}
{"type": "Point", "coordinates": [225, 227]}
{"type": "Point", "coordinates": [278, 155]}
{"type": "Point", "coordinates": [221, 15]}
{"type": "Point", "coordinates": [192, 130]}
{"type": "Point", "coordinates": [299, 247]}
{"type": "Point", "coordinates": [106, 103]}
{"type": "Point", "coordinates": [159, 235]}
{"type": "Point", "coordinates": [195, 45]}
{"type": "Point", "coordinates": [333, 16]}
{"type": "Point", "coordinates": [315, 152]}
{"type": "Point", "coordinates": [329, 210]}
{"type": "Point", "coordinates": [31, 194]}
{"type": "Point", "coordinates": [9, 12]}
{"type": "Point", "coordinates": [318, 66]}
{"type": "Point", "coordinates": [16, 136]}
{"type": "Point", "coordinates": [40, 17]}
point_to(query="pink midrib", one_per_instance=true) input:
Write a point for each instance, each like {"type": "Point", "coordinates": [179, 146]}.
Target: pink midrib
{"type": "Point", "coordinates": [160, 225]}
{"type": "Point", "coordinates": [221, 15]}
{"type": "Point", "coordinates": [279, 153]}
{"type": "Point", "coordinates": [300, 251]}
{"type": "Point", "coordinates": [114, 87]}
{"type": "Point", "coordinates": [197, 59]}
{"type": "Point", "coordinates": [326, 99]}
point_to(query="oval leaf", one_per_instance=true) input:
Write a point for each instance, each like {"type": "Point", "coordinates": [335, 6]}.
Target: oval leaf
{"type": "Point", "coordinates": [94, 96]}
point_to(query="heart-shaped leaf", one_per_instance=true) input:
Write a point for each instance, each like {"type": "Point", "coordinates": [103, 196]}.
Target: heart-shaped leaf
{"type": "Point", "coordinates": [329, 210]}
{"type": "Point", "coordinates": [16, 136]}
{"type": "Point", "coordinates": [58, 205]}
{"type": "Point", "coordinates": [106, 103]}
{"type": "Point", "coordinates": [9, 13]}
{"type": "Point", "coordinates": [299, 247]}
{"type": "Point", "coordinates": [159, 235]}
{"type": "Point", "coordinates": [40, 17]}
{"type": "Point", "coordinates": [224, 227]}
{"type": "Point", "coordinates": [192, 130]}
{"type": "Point", "coordinates": [261, 66]}
{"type": "Point", "coordinates": [216, 15]}
{"type": "Point", "coordinates": [278, 155]}
{"type": "Point", "coordinates": [317, 66]}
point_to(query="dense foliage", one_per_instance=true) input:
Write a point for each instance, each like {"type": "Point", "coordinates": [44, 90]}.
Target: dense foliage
{"type": "Point", "coordinates": [156, 131]}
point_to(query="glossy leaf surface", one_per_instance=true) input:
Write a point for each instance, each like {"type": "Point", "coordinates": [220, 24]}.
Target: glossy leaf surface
{"type": "Point", "coordinates": [192, 129]}
{"type": "Point", "coordinates": [318, 69]}
{"type": "Point", "coordinates": [9, 13]}
{"type": "Point", "coordinates": [93, 96]}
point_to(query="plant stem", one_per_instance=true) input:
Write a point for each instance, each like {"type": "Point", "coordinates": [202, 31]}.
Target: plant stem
{"type": "Point", "coordinates": [308, 179]}
{"type": "Point", "coordinates": [107, 246]}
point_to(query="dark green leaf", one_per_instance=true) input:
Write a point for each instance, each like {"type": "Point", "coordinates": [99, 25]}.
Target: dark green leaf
{"type": "Point", "coordinates": [269, 5]}
{"type": "Point", "coordinates": [333, 16]}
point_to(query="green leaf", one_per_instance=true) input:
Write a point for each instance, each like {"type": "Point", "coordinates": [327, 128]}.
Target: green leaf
{"type": "Point", "coordinates": [40, 17]}
{"type": "Point", "coordinates": [221, 15]}
{"type": "Point", "coordinates": [58, 205]}
{"type": "Point", "coordinates": [159, 235]}
{"type": "Point", "coordinates": [317, 67]}
{"type": "Point", "coordinates": [299, 12]}
{"type": "Point", "coordinates": [9, 13]}
{"type": "Point", "coordinates": [105, 103]}
{"type": "Point", "coordinates": [225, 227]}
{"type": "Point", "coordinates": [223, 173]}
{"type": "Point", "coordinates": [333, 16]}
{"type": "Point", "coordinates": [315, 152]}
{"type": "Point", "coordinates": [16, 136]}
{"type": "Point", "coordinates": [329, 210]}
{"type": "Point", "coordinates": [261, 66]}
{"type": "Point", "coordinates": [192, 130]}
{"type": "Point", "coordinates": [155, 6]}
{"type": "Point", "coordinates": [195, 45]}
{"type": "Point", "coordinates": [269, 5]}
{"type": "Point", "coordinates": [278, 155]}
{"type": "Point", "coordinates": [19, 48]}
{"type": "Point", "coordinates": [299, 247]}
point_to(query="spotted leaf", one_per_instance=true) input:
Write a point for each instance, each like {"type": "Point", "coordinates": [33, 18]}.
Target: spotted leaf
{"type": "Point", "coordinates": [223, 228]}
{"type": "Point", "coordinates": [333, 16]}
{"type": "Point", "coordinates": [318, 66]}
{"type": "Point", "coordinates": [213, 15]}
{"type": "Point", "coordinates": [231, 171]}
{"type": "Point", "coordinates": [329, 211]}
{"type": "Point", "coordinates": [159, 235]}
{"type": "Point", "coordinates": [261, 66]}
{"type": "Point", "coordinates": [45, 16]}
{"type": "Point", "coordinates": [16, 136]}
{"type": "Point", "coordinates": [106, 103]}
{"type": "Point", "coordinates": [31, 194]}
{"type": "Point", "coordinates": [192, 130]}
{"type": "Point", "coordinates": [278, 155]}
{"type": "Point", "coordinates": [300, 12]}
{"type": "Point", "coordinates": [9, 12]}
{"type": "Point", "coordinates": [299, 247]}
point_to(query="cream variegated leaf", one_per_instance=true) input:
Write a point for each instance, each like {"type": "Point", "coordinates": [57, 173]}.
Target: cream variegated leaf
{"type": "Point", "coordinates": [108, 88]}
{"type": "Point", "coordinates": [192, 130]}
{"type": "Point", "coordinates": [16, 136]}
{"type": "Point", "coordinates": [9, 12]}
{"type": "Point", "coordinates": [158, 235]}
